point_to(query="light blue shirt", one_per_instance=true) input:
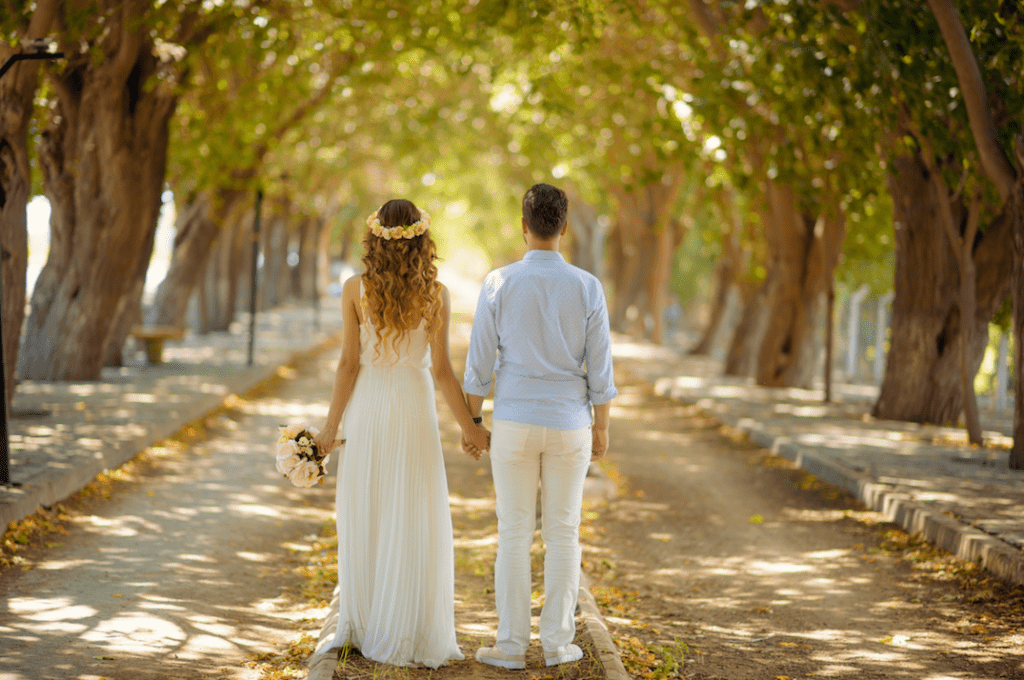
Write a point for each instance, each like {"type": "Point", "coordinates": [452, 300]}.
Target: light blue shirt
{"type": "Point", "coordinates": [547, 322]}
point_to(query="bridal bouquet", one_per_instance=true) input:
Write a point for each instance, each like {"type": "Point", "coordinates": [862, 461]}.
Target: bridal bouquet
{"type": "Point", "coordinates": [299, 458]}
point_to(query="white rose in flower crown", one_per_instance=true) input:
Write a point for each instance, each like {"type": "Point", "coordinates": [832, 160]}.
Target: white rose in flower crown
{"type": "Point", "coordinates": [305, 474]}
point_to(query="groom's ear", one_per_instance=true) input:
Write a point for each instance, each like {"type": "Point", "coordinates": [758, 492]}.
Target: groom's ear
{"type": "Point", "coordinates": [565, 227]}
{"type": "Point", "coordinates": [525, 228]}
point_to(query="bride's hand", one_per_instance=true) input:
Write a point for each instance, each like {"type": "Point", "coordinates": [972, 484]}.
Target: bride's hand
{"type": "Point", "coordinates": [479, 438]}
{"type": "Point", "coordinates": [326, 442]}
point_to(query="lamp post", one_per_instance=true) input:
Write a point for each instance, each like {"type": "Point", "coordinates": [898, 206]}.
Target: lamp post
{"type": "Point", "coordinates": [255, 278]}
{"type": "Point", "coordinates": [40, 51]}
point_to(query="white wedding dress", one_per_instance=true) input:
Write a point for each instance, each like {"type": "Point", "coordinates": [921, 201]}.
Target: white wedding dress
{"type": "Point", "coordinates": [396, 574]}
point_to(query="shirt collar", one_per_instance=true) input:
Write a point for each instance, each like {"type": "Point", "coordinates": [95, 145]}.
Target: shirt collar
{"type": "Point", "coordinates": [550, 255]}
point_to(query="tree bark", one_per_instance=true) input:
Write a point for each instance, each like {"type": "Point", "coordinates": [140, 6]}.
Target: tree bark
{"type": "Point", "coordinates": [197, 228]}
{"type": "Point", "coordinates": [309, 254]}
{"type": "Point", "coordinates": [741, 359]}
{"type": "Point", "coordinates": [642, 255]}
{"type": "Point", "coordinates": [103, 158]}
{"type": "Point", "coordinates": [224, 271]}
{"type": "Point", "coordinates": [727, 271]}
{"type": "Point", "coordinates": [921, 382]}
{"type": "Point", "coordinates": [17, 93]}
{"type": "Point", "coordinates": [274, 282]}
{"type": "Point", "coordinates": [587, 236]}
{"type": "Point", "coordinates": [1016, 210]}
{"type": "Point", "coordinates": [803, 253]}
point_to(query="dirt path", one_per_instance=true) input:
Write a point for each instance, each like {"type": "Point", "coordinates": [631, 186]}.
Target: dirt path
{"type": "Point", "coordinates": [185, 570]}
{"type": "Point", "coordinates": [190, 565]}
{"type": "Point", "coordinates": [714, 545]}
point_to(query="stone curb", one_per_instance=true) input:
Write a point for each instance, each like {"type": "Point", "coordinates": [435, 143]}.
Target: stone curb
{"type": "Point", "coordinates": [25, 500]}
{"type": "Point", "coordinates": [607, 652]}
{"type": "Point", "coordinates": [967, 543]}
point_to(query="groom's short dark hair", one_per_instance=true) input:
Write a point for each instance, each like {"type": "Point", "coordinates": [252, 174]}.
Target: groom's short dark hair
{"type": "Point", "coordinates": [545, 209]}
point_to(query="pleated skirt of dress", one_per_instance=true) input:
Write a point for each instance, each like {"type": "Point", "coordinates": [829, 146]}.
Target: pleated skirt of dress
{"type": "Point", "coordinates": [396, 574]}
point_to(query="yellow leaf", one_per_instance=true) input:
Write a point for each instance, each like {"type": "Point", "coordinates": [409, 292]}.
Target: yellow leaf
{"type": "Point", "coordinates": [756, 519]}
{"type": "Point", "coordinates": [787, 644]}
{"type": "Point", "coordinates": [117, 595]}
{"type": "Point", "coordinates": [781, 677]}
{"type": "Point", "coordinates": [886, 640]}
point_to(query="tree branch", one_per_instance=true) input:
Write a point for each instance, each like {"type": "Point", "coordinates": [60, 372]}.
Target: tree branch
{"type": "Point", "coordinates": [130, 42]}
{"type": "Point", "coordinates": [993, 160]}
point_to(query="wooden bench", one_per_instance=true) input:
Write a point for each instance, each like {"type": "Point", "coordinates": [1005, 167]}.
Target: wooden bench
{"type": "Point", "coordinates": [153, 338]}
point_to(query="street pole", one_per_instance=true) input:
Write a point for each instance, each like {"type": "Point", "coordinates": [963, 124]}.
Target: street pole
{"type": "Point", "coordinates": [5, 440]}
{"type": "Point", "coordinates": [5, 447]}
{"type": "Point", "coordinates": [316, 287]}
{"type": "Point", "coordinates": [255, 262]}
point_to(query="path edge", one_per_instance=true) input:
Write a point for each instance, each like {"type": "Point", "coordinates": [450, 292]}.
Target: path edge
{"type": "Point", "coordinates": [31, 498]}
{"type": "Point", "coordinates": [966, 542]}
{"type": "Point", "coordinates": [607, 652]}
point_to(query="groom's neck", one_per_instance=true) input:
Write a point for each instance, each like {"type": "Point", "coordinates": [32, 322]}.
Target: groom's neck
{"type": "Point", "coordinates": [542, 244]}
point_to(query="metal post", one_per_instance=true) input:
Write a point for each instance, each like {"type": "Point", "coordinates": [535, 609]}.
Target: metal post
{"type": "Point", "coordinates": [883, 325]}
{"type": "Point", "coordinates": [854, 331]}
{"type": "Point", "coordinates": [5, 448]}
{"type": "Point", "coordinates": [316, 288]}
{"type": "Point", "coordinates": [255, 258]}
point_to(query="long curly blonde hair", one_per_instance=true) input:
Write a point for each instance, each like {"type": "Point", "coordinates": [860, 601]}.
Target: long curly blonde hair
{"type": "Point", "coordinates": [400, 278]}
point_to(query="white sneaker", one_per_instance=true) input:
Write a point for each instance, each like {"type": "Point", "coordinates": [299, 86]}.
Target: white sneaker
{"type": "Point", "coordinates": [495, 657]}
{"type": "Point", "coordinates": [566, 654]}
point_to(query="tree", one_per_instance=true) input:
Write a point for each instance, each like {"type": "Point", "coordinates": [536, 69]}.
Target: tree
{"type": "Point", "coordinates": [1007, 179]}
{"type": "Point", "coordinates": [17, 93]}
{"type": "Point", "coordinates": [103, 159]}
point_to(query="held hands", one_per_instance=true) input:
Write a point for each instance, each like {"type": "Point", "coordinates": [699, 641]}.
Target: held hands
{"type": "Point", "coordinates": [599, 446]}
{"type": "Point", "coordinates": [475, 441]}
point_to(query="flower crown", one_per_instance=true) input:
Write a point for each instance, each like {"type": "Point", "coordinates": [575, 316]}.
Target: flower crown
{"type": "Point", "coordinates": [389, 233]}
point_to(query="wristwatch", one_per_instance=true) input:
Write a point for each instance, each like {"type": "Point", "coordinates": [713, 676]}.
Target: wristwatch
{"type": "Point", "coordinates": [478, 420]}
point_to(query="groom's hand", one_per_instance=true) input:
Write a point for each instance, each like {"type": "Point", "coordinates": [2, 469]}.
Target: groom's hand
{"type": "Point", "coordinates": [599, 445]}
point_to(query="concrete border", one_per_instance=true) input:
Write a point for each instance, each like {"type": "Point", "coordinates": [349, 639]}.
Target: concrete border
{"type": "Point", "coordinates": [607, 652]}
{"type": "Point", "coordinates": [22, 501]}
{"type": "Point", "coordinates": [967, 543]}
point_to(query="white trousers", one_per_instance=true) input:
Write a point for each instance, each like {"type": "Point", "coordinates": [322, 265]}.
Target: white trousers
{"type": "Point", "coordinates": [520, 456]}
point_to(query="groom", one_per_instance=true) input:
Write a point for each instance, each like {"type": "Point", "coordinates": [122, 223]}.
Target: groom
{"type": "Point", "coordinates": [547, 322]}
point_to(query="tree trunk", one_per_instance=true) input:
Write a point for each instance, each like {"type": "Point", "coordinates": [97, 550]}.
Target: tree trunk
{"type": "Point", "coordinates": [103, 160]}
{"type": "Point", "coordinates": [741, 359]}
{"type": "Point", "coordinates": [642, 254]}
{"type": "Point", "coordinates": [1016, 212]}
{"type": "Point", "coordinates": [802, 256]}
{"type": "Point", "coordinates": [726, 272]}
{"type": "Point", "coordinates": [586, 236]}
{"type": "Point", "coordinates": [197, 228]}
{"type": "Point", "coordinates": [275, 263]}
{"type": "Point", "coordinates": [223, 273]}
{"type": "Point", "coordinates": [17, 94]}
{"type": "Point", "coordinates": [309, 259]}
{"type": "Point", "coordinates": [921, 382]}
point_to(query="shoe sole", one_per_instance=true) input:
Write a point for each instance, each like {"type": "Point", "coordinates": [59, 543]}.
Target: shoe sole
{"type": "Point", "coordinates": [508, 666]}
{"type": "Point", "coordinates": [567, 658]}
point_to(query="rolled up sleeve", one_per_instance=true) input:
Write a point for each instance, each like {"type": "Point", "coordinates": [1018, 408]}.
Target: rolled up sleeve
{"type": "Point", "coordinates": [600, 378]}
{"type": "Point", "coordinates": [483, 346]}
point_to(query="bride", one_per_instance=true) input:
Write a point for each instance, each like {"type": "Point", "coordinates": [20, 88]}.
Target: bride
{"type": "Point", "coordinates": [395, 555]}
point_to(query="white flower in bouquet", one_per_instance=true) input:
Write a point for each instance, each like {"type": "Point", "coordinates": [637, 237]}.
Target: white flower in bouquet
{"type": "Point", "coordinates": [292, 431]}
{"type": "Point", "coordinates": [288, 457]}
{"type": "Point", "coordinates": [304, 442]}
{"type": "Point", "coordinates": [306, 474]}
